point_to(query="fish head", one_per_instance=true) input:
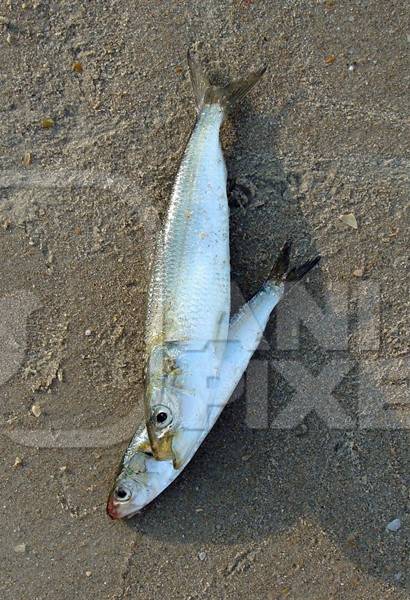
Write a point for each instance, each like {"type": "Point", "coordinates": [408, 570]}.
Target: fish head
{"type": "Point", "coordinates": [161, 400]}
{"type": "Point", "coordinates": [162, 423]}
{"type": "Point", "coordinates": [177, 440]}
{"type": "Point", "coordinates": [178, 400]}
{"type": "Point", "coordinates": [141, 480]}
{"type": "Point", "coordinates": [127, 498]}
{"type": "Point", "coordinates": [130, 492]}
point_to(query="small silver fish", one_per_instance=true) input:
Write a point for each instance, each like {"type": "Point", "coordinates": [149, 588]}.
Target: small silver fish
{"type": "Point", "coordinates": [195, 354]}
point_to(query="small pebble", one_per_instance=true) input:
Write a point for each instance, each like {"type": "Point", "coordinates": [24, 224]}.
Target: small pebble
{"type": "Point", "coordinates": [88, 573]}
{"type": "Point", "coordinates": [88, 332]}
{"type": "Point", "coordinates": [47, 123]}
{"type": "Point", "coordinates": [202, 555]}
{"type": "Point", "coordinates": [18, 462]}
{"type": "Point", "coordinates": [27, 159]}
{"type": "Point", "coordinates": [301, 430]}
{"type": "Point", "coordinates": [393, 525]}
{"type": "Point", "coordinates": [20, 548]}
{"type": "Point", "coordinates": [77, 67]}
{"type": "Point", "coordinates": [351, 540]}
{"type": "Point", "coordinates": [36, 410]}
{"type": "Point", "coordinates": [359, 272]}
{"type": "Point", "coordinates": [330, 59]}
{"type": "Point", "coordinates": [349, 219]}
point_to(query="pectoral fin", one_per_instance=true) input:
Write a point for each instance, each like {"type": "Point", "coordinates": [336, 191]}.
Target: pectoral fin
{"type": "Point", "coordinates": [184, 444]}
{"type": "Point", "coordinates": [170, 446]}
{"type": "Point", "coordinates": [145, 446]}
{"type": "Point", "coordinates": [161, 447]}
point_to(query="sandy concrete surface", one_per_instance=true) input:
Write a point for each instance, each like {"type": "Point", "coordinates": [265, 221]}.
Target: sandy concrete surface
{"type": "Point", "coordinates": [96, 108]}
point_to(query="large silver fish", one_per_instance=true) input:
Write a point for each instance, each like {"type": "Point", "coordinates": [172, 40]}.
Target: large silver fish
{"type": "Point", "coordinates": [189, 300]}
{"type": "Point", "coordinates": [195, 356]}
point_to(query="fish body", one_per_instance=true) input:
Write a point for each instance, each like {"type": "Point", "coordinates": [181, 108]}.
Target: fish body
{"type": "Point", "coordinates": [195, 354]}
{"type": "Point", "coordinates": [189, 298]}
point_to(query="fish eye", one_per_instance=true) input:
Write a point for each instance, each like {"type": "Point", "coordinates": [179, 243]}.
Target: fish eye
{"type": "Point", "coordinates": [162, 416]}
{"type": "Point", "coordinates": [122, 494]}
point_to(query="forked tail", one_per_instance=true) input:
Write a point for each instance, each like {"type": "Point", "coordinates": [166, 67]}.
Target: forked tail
{"type": "Point", "coordinates": [227, 95]}
{"type": "Point", "coordinates": [281, 272]}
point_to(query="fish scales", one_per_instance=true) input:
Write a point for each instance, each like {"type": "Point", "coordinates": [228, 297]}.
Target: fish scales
{"type": "Point", "coordinates": [190, 296]}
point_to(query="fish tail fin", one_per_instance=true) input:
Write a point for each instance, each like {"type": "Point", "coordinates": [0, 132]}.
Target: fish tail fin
{"type": "Point", "coordinates": [280, 271]}
{"type": "Point", "coordinates": [297, 273]}
{"type": "Point", "coordinates": [226, 96]}
{"type": "Point", "coordinates": [281, 265]}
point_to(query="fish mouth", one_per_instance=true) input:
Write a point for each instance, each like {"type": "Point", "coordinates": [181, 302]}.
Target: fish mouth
{"type": "Point", "coordinates": [115, 513]}
{"type": "Point", "coordinates": [112, 509]}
